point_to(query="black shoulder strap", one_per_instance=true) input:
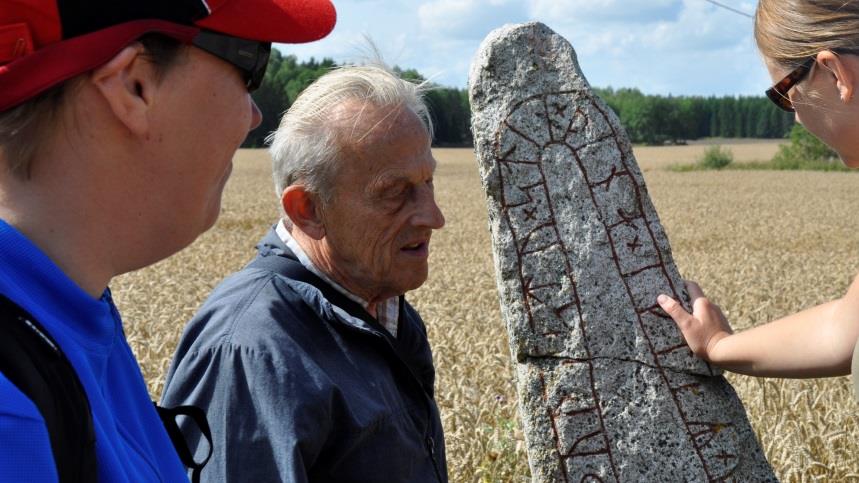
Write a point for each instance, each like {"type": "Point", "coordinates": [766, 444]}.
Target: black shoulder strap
{"type": "Point", "coordinates": [169, 418]}
{"type": "Point", "coordinates": [32, 360]}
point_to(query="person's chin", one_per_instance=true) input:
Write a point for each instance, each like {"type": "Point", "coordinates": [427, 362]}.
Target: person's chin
{"type": "Point", "coordinates": [850, 162]}
{"type": "Point", "coordinates": [207, 220]}
{"type": "Point", "coordinates": [417, 276]}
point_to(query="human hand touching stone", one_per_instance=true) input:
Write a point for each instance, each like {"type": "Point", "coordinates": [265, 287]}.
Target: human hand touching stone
{"type": "Point", "coordinates": [704, 328]}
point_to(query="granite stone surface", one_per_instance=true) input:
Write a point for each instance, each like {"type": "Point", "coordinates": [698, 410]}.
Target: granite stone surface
{"type": "Point", "coordinates": [608, 389]}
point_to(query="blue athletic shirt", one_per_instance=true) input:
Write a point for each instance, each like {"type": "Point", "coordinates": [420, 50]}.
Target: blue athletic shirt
{"type": "Point", "coordinates": [131, 443]}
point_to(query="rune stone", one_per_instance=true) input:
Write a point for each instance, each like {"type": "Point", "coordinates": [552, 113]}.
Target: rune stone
{"type": "Point", "coordinates": [608, 389]}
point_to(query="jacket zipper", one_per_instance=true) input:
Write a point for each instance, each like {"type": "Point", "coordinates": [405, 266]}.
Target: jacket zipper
{"type": "Point", "coordinates": [428, 439]}
{"type": "Point", "coordinates": [431, 447]}
{"type": "Point", "coordinates": [430, 442]}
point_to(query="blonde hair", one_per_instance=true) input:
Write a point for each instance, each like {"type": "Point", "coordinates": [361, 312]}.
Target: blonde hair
{"type": "Point", "coordinates": [788, 32]}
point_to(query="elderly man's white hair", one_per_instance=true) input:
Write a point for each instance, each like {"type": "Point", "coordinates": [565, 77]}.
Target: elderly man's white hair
{"type": "Point", "coordinates": [307, 145]}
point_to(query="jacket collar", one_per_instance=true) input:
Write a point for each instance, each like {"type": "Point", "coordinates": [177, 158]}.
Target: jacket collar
{"type": "Point", "coordinates": [272, 245]}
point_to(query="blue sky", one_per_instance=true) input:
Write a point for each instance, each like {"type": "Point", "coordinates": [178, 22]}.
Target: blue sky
{"type": "Point", "coordinates": [679, 47]}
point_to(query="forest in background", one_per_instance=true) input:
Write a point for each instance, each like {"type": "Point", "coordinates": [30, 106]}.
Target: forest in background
{"type": "Point", "coordinates": [648, 119]}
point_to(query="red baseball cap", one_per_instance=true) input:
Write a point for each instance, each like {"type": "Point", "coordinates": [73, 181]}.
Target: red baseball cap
{"type": "Point", "coordinates": [46, 42]}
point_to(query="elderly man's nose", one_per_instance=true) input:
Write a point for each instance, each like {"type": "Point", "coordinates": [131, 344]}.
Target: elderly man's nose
{"type": "Point", "coordinates": [431, 215]}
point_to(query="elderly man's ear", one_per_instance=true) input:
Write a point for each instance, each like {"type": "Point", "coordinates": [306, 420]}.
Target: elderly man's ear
{"type": "Point", "coordinates": [304, 209]}
{"type": "Point", "coordinates": [127, 83]}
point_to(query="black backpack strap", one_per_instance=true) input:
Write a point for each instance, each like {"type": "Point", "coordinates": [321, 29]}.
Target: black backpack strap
{"type": "Point", "coordinates": [168, 418]}
{"type": "Point", "coordinates": [33, 361]}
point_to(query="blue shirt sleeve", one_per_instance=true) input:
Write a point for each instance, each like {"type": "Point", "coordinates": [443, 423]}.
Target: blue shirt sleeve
{"type": "Point", "coordinates": [25, 448]}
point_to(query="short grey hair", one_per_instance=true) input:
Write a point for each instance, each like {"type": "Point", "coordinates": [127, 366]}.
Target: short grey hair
{"type": "Point", "coordinates": [307, 146]}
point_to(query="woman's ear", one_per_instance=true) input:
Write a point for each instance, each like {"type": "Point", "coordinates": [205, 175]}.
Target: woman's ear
{"type": "Point", "coordinates": [304, 210]}
{"type": "Point", "coordinates": [844, 72]}
{"type": "Point", "coordinates": [127, 83]}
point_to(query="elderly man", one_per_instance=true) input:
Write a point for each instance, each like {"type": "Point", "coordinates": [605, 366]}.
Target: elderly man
{"type": "Point", "coordinates": [309, 361]}
{"type": "Point", "coordinates": [118, 123]}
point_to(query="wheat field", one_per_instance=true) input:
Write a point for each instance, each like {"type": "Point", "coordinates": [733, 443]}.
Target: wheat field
{"type": "Point", "coordinates": [761, 244]}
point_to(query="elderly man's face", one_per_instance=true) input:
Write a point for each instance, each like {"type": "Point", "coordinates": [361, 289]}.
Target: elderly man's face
{"type": "Point", "coordinates": [379, 223]}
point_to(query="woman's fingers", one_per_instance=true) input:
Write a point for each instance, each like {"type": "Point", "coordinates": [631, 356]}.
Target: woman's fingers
{"type": "Point", "coordinates": [694, 290]}
{"type": "Point", "coordinates": [703, 327]}
{"type": "Point", "coordinates": [675, 310]}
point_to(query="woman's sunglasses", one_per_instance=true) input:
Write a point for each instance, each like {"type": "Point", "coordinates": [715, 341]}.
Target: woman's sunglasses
{"type": "Point", "coordinates": [778, 92]}
{"type": "Point", "coordinates": [249, 56]}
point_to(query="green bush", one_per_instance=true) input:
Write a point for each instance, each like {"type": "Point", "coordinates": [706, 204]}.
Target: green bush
{"type": "Point", "coordinates": [716, 157]}
{"type": "Point", "coordinates": [806, 152]}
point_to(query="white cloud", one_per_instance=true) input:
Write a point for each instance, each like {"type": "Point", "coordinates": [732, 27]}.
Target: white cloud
{"type": "Point", "coordinates": [678, 47]}
{"type": "Point", "coordinates": [468, 19]}
{"type": "Point", "coordinates": [659, 46]}
{"type": "Point", "coordinates": [701, 27]}
{"type": "Point", "coordinates": [688, 25]}
{"type": "Point", "coordinates": [638, 11]}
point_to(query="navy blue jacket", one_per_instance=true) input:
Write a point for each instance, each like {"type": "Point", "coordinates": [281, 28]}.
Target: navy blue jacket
{"type": "Point", "coordinates": [300, 384]}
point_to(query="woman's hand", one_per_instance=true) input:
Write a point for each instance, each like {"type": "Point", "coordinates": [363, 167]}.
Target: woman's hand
{"type": "Point", "coordinates": [704, 328]}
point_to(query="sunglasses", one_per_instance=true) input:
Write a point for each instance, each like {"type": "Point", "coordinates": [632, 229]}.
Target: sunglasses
{"type": "Point", "coordinates": [249, 56]}
{"type": "Point", "coordinates": [778, 92]}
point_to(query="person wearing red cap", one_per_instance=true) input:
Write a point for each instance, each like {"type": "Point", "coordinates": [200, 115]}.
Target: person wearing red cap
{"type": "Point", "coordinates": [118, 123]}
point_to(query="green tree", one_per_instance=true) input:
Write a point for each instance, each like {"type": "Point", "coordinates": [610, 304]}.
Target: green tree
{"type": "Point", "coordinates": [284, 80]}
{"type": "Point", "coordinates": [451, 116]}
{"type": "Point", "coordinates": [647, 119]}
{"type": "Point", "coordinates": [271, 99]}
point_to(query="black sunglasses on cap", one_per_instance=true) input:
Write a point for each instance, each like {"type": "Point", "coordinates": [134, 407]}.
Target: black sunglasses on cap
{"type": "Point", "coordinates": [249, 56]}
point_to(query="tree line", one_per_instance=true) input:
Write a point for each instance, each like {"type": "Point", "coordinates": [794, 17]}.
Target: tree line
{"type": "Point", "coordinates": [653, 119]}
{"type": "Point", "coordinates": [649, 119]}
{"type": "Point", "coordinates": [285, 78]}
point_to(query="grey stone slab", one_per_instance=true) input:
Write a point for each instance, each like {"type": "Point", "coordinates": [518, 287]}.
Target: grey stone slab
{"type": "Point", "coordinates": [608, 389]}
